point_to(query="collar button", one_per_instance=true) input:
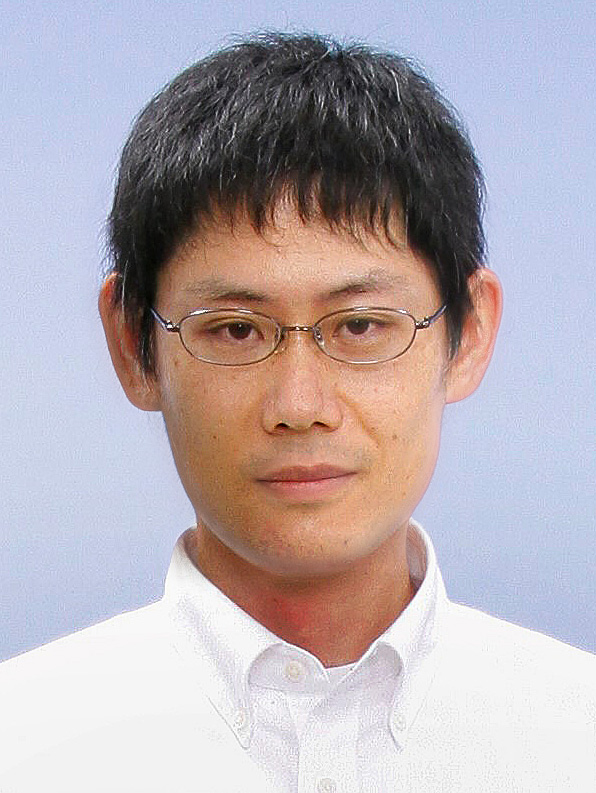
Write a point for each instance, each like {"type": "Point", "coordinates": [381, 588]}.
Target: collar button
{"type": "Point", "coordinates": [326, 785]}
{"type": "Point", "coordinates": [240, 719]}
{"type": "Point", "coordinates": [399, 722]}
{"type": "Point", "coordinates": [295, 671]}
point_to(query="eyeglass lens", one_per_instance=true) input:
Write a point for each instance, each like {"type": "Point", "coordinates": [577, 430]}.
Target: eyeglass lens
{"type": "Point", "coordinates": [355, 336]}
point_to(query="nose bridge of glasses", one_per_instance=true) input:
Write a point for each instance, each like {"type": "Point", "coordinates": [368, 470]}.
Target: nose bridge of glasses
{"type": "Point", "coordinates": [314, 330]}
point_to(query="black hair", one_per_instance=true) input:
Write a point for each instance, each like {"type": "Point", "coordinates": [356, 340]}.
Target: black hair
{"type": "Point", "coordinates": [352, 136]}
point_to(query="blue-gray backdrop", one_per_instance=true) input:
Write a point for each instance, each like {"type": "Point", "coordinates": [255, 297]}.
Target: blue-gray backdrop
{"type": "Point", "coordinates": [90, 504]}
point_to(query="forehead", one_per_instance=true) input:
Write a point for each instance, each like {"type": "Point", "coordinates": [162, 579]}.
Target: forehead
{"type": "Point", "coordinates": [291, 259]}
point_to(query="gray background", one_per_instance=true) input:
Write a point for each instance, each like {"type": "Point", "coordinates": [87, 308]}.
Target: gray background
{"type": "Point", "coordinates": [90, 502]}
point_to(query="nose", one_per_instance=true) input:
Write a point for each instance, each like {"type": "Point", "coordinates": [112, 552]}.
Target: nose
{"type": "Point", "coordinates": [303, 388]}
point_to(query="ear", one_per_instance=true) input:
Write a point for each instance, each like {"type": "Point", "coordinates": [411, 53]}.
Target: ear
{"type": "Point", "coordinates": [479, 334]}
{"type": "Point", "coordinates": [139, 387]}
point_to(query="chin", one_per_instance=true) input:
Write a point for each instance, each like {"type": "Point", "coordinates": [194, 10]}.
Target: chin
{"type": "Point", "coordinates": [314, 558]}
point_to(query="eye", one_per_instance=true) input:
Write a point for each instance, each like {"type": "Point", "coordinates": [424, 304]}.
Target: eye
{"type": "Point", "coordinates": [223, 329]}
{"type": "Point", "coordinates": [358, 326]}
{"type": "Point", "coordinates": [233, 330]}
{"type": "Point", "coordinates": [240, 331]}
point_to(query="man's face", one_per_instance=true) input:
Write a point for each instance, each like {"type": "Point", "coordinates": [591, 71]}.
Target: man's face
{"type": "Point", "coordinates": [244, 437]}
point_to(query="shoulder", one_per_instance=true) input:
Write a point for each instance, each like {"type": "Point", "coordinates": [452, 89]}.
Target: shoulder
{"type": "Point", "coordinates": [89, 670]}
{"type": "Point", "coordinates": [114, 707]}
{"type": "Point", "coordinates": [84, 682]}
{"type": "Point", "coordinates": [484, 634]}
{"type": "Point", "coordinates": [507, 708]}
{"type": "Point", "coordinates": [518, 664]}
{"type": "Point", "coordinates": [116, 698]}
{"type": "Point", "coordinates": [97, 650]}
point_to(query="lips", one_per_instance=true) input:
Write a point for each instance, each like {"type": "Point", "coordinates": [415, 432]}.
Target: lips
{"type": "Point", "coordinates": [313, 473]}
{"type": "Point", "coordinates": [307, 484]}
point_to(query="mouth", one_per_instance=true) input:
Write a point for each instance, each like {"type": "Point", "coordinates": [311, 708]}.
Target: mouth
{"type": "Point", "coordinates": [299, 483]}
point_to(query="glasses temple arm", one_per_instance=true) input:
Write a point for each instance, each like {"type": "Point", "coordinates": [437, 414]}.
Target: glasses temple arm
{"type": "Point", "coordinates": [428, 321]}
{"type": "Point", "coordinates": [165, 323]}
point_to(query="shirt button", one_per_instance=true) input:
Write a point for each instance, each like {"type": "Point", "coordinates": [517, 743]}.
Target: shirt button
{"type": "Point", "coordinates": [326, 785]}
{"type": "Point", "coordinates": [295, 671]}
{"type": "Point", "coordinates": [240, 719]}
{"type": "Point", "coordinates": [399, 722]}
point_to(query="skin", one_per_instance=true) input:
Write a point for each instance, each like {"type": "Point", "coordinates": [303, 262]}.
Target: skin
{"type": "Point", "coordinates": [322, 565]}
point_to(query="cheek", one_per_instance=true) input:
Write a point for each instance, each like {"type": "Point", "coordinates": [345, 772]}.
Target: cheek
{"type": "Point", "coordinates": [405, 422]}
{"type": "Point", "coordinates": [205, 421]}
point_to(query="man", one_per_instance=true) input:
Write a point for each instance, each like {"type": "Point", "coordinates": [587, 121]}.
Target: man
{"type": "Point", "coordinates": [297, 284]}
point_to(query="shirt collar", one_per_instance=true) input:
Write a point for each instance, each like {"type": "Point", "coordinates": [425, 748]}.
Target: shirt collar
{"type": "Point", "coordinates": [221, 643]}
{"type": "Point", "coordinates": [415, 634]}
{"type": "Point", "coordinates": [217, 638]}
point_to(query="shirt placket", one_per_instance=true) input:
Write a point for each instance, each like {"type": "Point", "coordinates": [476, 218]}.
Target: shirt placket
{"type": "Point", "coordinates": [327, 761]}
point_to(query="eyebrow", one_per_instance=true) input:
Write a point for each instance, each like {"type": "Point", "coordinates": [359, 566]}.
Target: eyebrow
{"type": "Point", "coordinates": [218, 290]}
{"type": "Point", "coordinates": [376, 280]}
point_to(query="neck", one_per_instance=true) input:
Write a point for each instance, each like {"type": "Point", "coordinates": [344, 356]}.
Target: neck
{"type": "Point", "coordinates": [335, 617]}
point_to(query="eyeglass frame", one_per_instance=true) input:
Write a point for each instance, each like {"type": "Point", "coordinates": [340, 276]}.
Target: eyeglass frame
{"type": "Point", "coordinates": [283, 330]}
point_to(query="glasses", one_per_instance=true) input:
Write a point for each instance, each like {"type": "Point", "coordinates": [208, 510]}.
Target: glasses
{"type": "Point", "coordinates": [237, 336]}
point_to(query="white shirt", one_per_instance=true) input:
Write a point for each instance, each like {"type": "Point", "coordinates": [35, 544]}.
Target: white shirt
{"type": "Point", "coordinates": [192, 694]}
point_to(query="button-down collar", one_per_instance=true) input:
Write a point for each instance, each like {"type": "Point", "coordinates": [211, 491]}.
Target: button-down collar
{"type": "Point", "coordinates": [117, 698]}
{"type": "Point", "coordinates": [232, 653]}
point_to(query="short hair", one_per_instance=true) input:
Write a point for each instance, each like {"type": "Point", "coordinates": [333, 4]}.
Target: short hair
{"type": "Point", "coordinates": [352, 136]}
